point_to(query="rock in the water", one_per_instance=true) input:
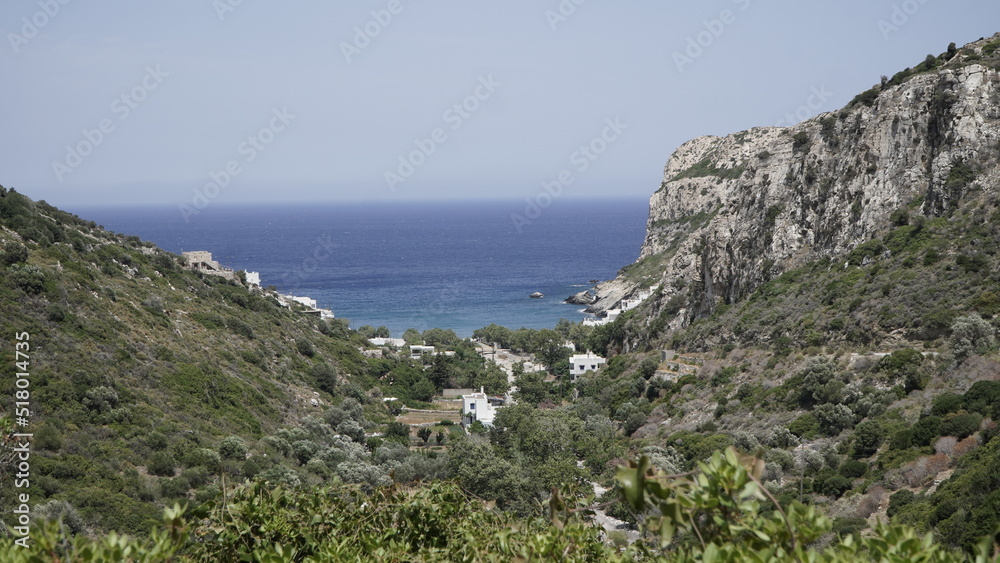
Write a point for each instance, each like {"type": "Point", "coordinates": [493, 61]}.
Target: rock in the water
{"type": "Point", "coordinates": [582, 298]}
{"type": "Point", "coordinates": [536, 295]}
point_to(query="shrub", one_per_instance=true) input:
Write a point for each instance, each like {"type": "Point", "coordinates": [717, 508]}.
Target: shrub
{"type": "Point", "coordinates": [805, 426]}
{"type": "Point", "coordinates": [972, 335]}
{"type": "Point", "coordinates": [834, 418]}
{"type": "Point", "coordinates": [833, 486]}
{"type": "Point", "coordinates": [853, 469]}
{"type": "Point", "coordinates": [925, 430]}
{"type": "Point", "coordinates": [61, 511]}
{"type": "Point", "coordinates": [398, 432]}
{"type": "Point", "coordinates": [783, 458]}
{"type": "Point", "coordinates": [801, 142]}
{"type": "Point", "coordinates": [162, 464]}
{"type": "Point", "coordinates": [982, 397]}
{"type": "Point", "coordinates": [49, 437]}
{"type": "Point", "coordinates": [946, 403]}
{"type": "Point", "coordinates": [961, 425]}
{"type": "Point", "coordinates": [901, 440]}
{"type": "Point", "coordinates": [13, 253]}
{"type": "Point", "coordinates": [898, 500]}
{"type": "Point", "coordinates": [305, 348]}
{"type": "Point", "coordinates": [868, 437]}
{"type": "Point", "coordinates": [780, 437]}
{"type": "Point", "coordinates": [233, 447]}
{"type": "Point", "coordinates": [848, 526]}
{"type": "Point", "coordinates": [204, 457]}
{"type": "Point", "coordinates": [29, 278]}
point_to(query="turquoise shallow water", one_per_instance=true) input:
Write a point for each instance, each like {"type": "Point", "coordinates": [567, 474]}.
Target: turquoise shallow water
{"type": "Point", "coordinates": [451, 265]}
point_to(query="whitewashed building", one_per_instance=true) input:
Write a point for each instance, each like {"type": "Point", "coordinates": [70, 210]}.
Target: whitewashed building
{"type": "Point", "coordinates": [580, 364]}
{"type": "Point", "coordinates": [419, 351]}
{"type": "Point", "coordinates": [480, 406]}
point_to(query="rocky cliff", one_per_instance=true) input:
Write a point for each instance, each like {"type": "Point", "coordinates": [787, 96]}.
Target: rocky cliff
{"type": "Point", "coordinates": [735, 211]}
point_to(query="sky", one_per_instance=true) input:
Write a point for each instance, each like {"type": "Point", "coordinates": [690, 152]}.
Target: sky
{"type": "Point", "coordinates": [193, 102]}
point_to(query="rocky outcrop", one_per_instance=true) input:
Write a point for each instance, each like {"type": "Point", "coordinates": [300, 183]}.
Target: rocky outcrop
{"type": "Point", "coordinates": [583, 298]}
{"type": "Point", "coordinates": [735, 211]}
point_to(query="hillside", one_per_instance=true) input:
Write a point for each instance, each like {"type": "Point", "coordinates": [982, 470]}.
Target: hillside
{"type": "Point", "coordinates": [131, 355]}
{"type": "Point", "coordinates": [734, 212]}
{"type": "Point", "coordinates": [835, 287]}
{"type": "Point", "coordinates": [823, 306]}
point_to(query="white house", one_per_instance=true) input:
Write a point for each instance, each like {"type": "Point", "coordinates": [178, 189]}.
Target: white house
{"type": "Point", "coordinates": [417, 352]}
{"type": "Point", "coordinates": [580, 364]}
{"type": "Point", "coordinates": [307, 301]}
{"type": "Point", "coordinates": [253, 278]}
{"type": "Point", "coordinates": [479, 406]}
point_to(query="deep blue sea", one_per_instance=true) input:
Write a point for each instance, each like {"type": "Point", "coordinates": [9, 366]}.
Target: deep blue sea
{"type": "Point", "coordinates": [451, 265]}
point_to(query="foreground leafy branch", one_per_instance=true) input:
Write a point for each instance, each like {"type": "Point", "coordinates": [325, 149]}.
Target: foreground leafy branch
{"type": "Point", "coordinates": [714, 515]}
{"type": "Point", "coordinates": [709, 515]}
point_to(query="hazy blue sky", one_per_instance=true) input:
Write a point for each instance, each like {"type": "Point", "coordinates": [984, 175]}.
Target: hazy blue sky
{"type": "Point", "coordinates": [271, 90]}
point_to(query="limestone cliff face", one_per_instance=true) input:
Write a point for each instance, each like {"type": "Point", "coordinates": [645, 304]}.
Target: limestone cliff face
{"type": "Point", "coordinates": [733, 212]}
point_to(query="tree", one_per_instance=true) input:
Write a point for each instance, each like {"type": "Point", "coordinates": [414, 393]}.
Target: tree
{"type": "Point", "coordinates": [952, 50]}
{"type": "Point", "coordinates": [972, 335]}
{"type": "Point", "coordinates": [479, 469]}
{"type": "Point", "coordinates": [961, 425]}
{"type": "Point", "coordinates": [550, 347]}
{"type": "Point", "coordinates": [424, 434]}
{"type": "Point", "coordinates": [233, 447]}
{"type": "Point", "coordinates": [819, 383]}
{"type": "Point", "coordinates": [398, 432]}
{"type": "Point", "coordinates": [868, 436]}
{"type": "Point", "coordinates": [532, 387]}
{"type": "Point", "coordinates": [423, 390]}
{"type": "Point", "coordinates": [494, 335]}
{"type": "Point", "coordinates": [305, 348]}
{"type": "Point", "coordinates": [13, 253]}
{"type": "Point", "coordinates": [412, 337]}
{"type": "Point", "coordinates": [440, 337]}
{"type": "Point", "coordinates": [493, 379]}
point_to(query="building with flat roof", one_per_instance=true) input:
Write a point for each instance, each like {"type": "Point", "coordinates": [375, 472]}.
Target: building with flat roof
{"type": "Point", "coordinates": [580, 364]}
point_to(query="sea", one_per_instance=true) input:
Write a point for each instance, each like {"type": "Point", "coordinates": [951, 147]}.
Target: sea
{"type": "Point", "coordinates": [455, 265]}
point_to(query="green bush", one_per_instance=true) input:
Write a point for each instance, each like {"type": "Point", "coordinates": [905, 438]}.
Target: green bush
{"type": "Point", "coordinates": [900, 499]}
{"type": "Point", "coordinates": [853, 469]}
{"type": "Point", "coordinates": [946, 403]}
{"type": "Point", "coordinates": [161, 463]}
{"type": "Point", "coordinates": [960, 425]}
{"type": "Point", "coordinates": [805, 426]}
{"type": "Point", "coordinates": [233, 447]}
{"type": "Point", "coordinates": [833, 486]}
{"type": "Point", "coordinates": [925, 430]}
